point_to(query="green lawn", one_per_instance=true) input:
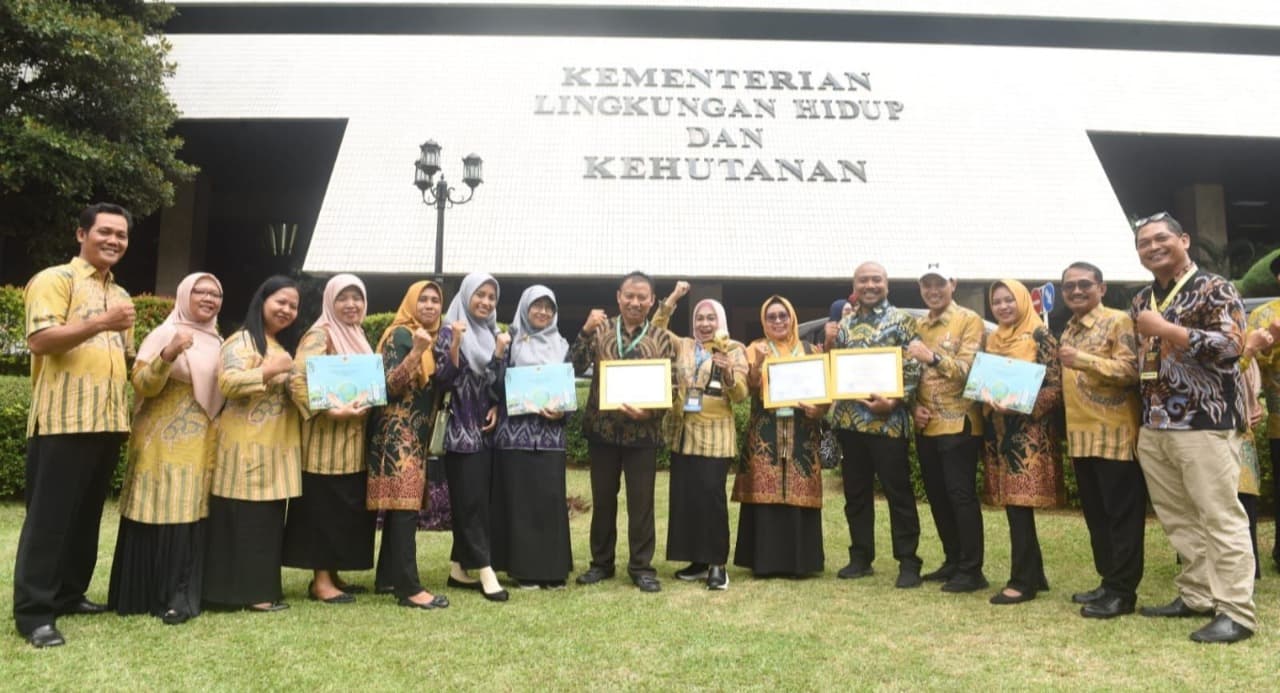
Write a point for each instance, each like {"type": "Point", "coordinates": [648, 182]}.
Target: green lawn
{"type": "Point", "coordinates": [819, 633]}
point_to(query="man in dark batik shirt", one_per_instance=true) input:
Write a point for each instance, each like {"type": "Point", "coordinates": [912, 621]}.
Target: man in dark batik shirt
{"type": "Point", "coordinates": [1190, 326]}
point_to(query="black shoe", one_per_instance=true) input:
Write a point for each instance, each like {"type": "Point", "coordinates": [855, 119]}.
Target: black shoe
{"type": "Point", "coordinates": [353, 589]}
{"type": "Point", "coordinates": [1108, 606]}
{"type": "Point", "coordinates": [964, 583]}
{"type": "Point", "coordinates": [945, 572]}
{"type": "Point", "coordinates": [694, 571]}
{"type": "Point", "coordinates": [173, 617]}
{"type": "Point", "coordinates": [459, 584]}
{"type": "Point", "coordinates": [268, 609]}
{"type": "Point", "coordinates": [1000, 598]}
{"type": "Point", "coordinates": [595, 574]}
{"type": "Point", "coordinates": [437, 602]}
{"type": "Point", "coordinates": [499, 596]}
{"type": "Point", "coordinates": [1091, 596]}
{"type": "Point", "coordinates": [717, 578]}
{"type": "Point", "coordinates": [84, 606]}
{"type": "Point", "coordinates": [853, 572]}
{"type": "Point", "coordinates": [908, 577]}
{"type": "Point", "coordinates": [339, 598]}
{"type": "Point", "coordinates": [646, 583]}
{"type": "Point", "coordinates": [1220, 629]}
{"type": "Point", "coordinates": [46, 636]}
{"type": "Point", "coordinates": [1174, 609]}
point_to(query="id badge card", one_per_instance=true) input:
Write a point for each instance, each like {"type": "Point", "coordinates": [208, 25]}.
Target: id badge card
{"type": "Point", "coordinates": [786, 412]}
{"type": "Point", "coordinates": [693, 402]}
{"type": "Point", "coordinates": [1151, 365]}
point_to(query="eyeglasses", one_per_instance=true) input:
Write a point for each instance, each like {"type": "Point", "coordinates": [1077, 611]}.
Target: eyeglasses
{"type": "Point", "coordinates": [1158, 216]}
{"type": "Point", "coordinates": [777, 317]}
{"type": "Point", "coordinates": [211, 293]}
{"type": "Point", "coordinates": [539, 308]}
{"type": "Point", "coordinates": [1081, 284]}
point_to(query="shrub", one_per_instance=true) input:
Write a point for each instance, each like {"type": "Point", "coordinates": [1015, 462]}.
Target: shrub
{"type": "Point", "coordinates": [374, 325]}
{"type": "Point", "coordinates": [13, 340]}
{"type": "Point", "coordinates": [150, 311]}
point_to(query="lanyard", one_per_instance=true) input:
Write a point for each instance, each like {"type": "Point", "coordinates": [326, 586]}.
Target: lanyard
{"type": "Point", "coordinates": [617, 329]}
{"type": "Point", "coordinates": [1164, 305]}
{"type": "Point", "coordinates": [795, 350]}
{"type": "Point", "coordinates": [700, 356]}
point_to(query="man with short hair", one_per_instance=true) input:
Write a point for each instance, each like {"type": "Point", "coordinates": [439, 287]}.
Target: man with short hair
{"type": "Point", "coordinates": [949, 429]}
{"type": "Point", "coordinates": [1099, 355]}
{"type": "Point", "coordinates": [1190, 326]}
{"type": "Point", "coordinates": [623, 442]}
{"type": "Point", "coordinates": [874, 432]}
{"type": "Point", "coordinates": [79, 325]}
{"type": "Point", "coordinates": [1263, 335]}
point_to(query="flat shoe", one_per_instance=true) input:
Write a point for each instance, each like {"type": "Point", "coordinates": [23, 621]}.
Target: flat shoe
{"type": "Point", "coordinates": [459, 584]}
{"type": "Point", "coordinates": [499, 596]}
{"type": "Point", "coordinates": [339, 598]}
{"type": "Point", "coordinates": [173, 617]}
{"type": "Point", "coordinates": [269, 608]}
{"type": "Point", "coordinates": [1001, 598]}
{"type": "Point", "coordinates": [353, 589]}
{"type": "Point", "coordinates": [437, 602]}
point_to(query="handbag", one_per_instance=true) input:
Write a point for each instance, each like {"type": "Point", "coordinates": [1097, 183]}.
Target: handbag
{"type": "Point", "coordinates": [438, 427]}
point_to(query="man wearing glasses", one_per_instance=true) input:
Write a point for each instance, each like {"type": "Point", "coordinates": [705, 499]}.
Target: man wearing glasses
{"type": "Point", "coordinates": [1190, 327]}
{"type": "Point", "coordinates": [1099, 354]}
{"type": "Point", "coordinates": [874, 433]}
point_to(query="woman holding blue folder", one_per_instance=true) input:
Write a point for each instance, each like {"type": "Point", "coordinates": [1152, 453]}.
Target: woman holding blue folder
{"type": "Point", "coordinates": [1021, 458]}
{"type": "Point", "coordinates": [530, 539]}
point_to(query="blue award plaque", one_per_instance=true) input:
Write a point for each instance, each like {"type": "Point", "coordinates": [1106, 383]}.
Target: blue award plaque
{"type": "Point", "coordinates": [333, 381]}
{"type": "Point", "coordinates": [1012, 383]}
{"type": "Point", "coordinates": [530, 389]}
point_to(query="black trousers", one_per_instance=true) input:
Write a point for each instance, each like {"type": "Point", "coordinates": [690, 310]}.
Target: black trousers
{"type": "Point", "coordinates": [949, 467]}
{"type": "Point", "coordinates": [398, 555]}
{"type": "Point", "coordinates": [1026, 563]}
{"type": "Point", "coordinates": [1113, 495]}
{"type": "Point", "coordinates": [1275, 495]}
{"type": "Point", "coordinates": [866, 457]}
{"type": "Point", "coordinates": [68, 477]}
{"type": "Point", "coordinates": [1250, 504]}
{"type": "Point", "coordinates": [609, 463]}
{"type": "Point", "coordinates": [470, 488]}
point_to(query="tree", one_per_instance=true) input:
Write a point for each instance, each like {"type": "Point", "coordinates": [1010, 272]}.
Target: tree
{"type": "Point", "coordinates": [84, 116]}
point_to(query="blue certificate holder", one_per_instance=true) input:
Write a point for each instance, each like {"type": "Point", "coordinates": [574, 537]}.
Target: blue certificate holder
{"type": "Point", "coordinates": [1012, 383]}
{"type": "Point", "coordinates": [334, 381]}
{"type": "Point", "coordinates": [530, 389]}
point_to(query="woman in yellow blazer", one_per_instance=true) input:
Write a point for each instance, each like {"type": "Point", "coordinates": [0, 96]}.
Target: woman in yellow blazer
{"type": "Point", "coordinates": [159, 560]}
{"type": "Point", "coordinates": [258, 462]}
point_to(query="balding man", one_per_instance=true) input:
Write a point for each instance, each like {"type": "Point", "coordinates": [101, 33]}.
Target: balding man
{"type": "Point", "coordinates": [874, 432]}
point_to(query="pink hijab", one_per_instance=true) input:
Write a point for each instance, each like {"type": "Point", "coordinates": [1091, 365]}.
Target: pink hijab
{"type": "Point", "coordinates": [344, 339]}
{"type": "Point", "coordinates": [198, 365]}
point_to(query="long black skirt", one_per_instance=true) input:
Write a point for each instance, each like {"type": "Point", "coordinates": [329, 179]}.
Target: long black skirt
{"type": "Point", "coordinates": [157, 568]}
{"type": "Point", "coordinates": [330, 527]}
{"type": "Point", "coordinates": [244, 551]}
{"type": "Point", "coordinates": [470, 476]}
{"type": "Point", "coordinates": [779, 540]}
{"type": "Point", "coordinates": [698, 529]}
{"type": "Point", "coordinates": [530, 519]}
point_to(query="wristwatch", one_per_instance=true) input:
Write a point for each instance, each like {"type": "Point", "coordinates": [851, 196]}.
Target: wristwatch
{"type": "Point", "coordinates": [937, 358]}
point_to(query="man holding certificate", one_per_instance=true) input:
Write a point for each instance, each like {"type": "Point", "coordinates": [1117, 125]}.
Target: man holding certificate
{"type": "Point", "coordinates": [1099, 356]}
{"type": "Point", "coordinates": [624, 440]}
{"type": "Point", "coordinates": [1191, 329]}
{"type": "Point", "coordinates": [949, 429]}
{"type": "Point", "coordinates": [873, 432]}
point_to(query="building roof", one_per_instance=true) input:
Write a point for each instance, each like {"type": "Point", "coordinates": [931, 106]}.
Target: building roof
{"type": "Point", "coordinates": [987, 165]}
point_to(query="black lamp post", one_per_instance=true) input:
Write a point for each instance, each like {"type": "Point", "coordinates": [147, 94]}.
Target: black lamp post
{"type": "Point", "coordinates": [437, 192]}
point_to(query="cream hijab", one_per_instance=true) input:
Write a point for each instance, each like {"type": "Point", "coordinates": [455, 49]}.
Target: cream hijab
{"type": "Point", "coordinates": [198, 365]}
{"type": "Point", "coordinates": [344, 338]}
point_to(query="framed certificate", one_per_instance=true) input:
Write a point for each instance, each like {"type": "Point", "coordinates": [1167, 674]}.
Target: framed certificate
{"type": "Point", "coordinates": [641, 383]}
{"type": "Point", "coordinates": [860, 373]}
{"type": "Point", "coordinates": [333, 381]}
{"type": "Point", "coordinates": [791, 380]}
{"type": "Point", "coordinates": [1013, 383]}
{"type": "Point", "coordinates": [530, 389]}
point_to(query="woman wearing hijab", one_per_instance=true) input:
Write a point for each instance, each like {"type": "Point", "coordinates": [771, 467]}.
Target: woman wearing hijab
{"type": "Point", "coordinates": [1021, 459]}
{"type": "Point", "coordinates": [703, 439]}
{"type": "Point", "coordinates": [530, 517]}
{"type": "Point", "coordinates": [467, 354]}
{"type": "Point", "coordinates": [159, 559]}
{"type": "Point", "coordinates": [329, 528]}
{"type": "Point", "coordinates": [399, 439]}
{"type": "Point", "coordinates": [779, 482]}
{"type": "Point", "coordinates": [258, 458]}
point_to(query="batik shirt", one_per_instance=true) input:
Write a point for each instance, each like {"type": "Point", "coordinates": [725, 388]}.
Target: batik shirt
{"type": "Point", "coordinates": [1101, 400]}
{"type": "Point", "coordinates": [613, 427]}
{"type": "Point", "coordinates": [881, 326]}
{"type": "Point", "coordinates": [1269, 365]}
{"type": "Point", "coordinates": [1196, 387]}
{"type": "Point", "coordinates": [955, 336]}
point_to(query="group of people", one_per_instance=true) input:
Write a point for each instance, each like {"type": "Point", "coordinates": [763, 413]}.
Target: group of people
{"type": "Point", "coordinates": [232, 474]}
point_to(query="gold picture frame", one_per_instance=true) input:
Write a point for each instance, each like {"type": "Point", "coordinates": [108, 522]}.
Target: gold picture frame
{"type": "Point", "coordinates": [857, 373]}
{"type": "Point", "coordinates": [635, 382]}
{"type": "Point", "coordinates": [790, 380]}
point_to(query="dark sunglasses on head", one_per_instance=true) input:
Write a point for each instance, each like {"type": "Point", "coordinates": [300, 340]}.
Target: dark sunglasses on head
{"type": "Point", "coordinates": [1158, 216]}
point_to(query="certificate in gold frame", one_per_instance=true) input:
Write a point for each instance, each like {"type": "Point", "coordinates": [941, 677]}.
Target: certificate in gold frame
{"type": "Point", "coordinates": [852, 377]}
{"type": "Point", "coordinates": [790, 380]}
{"type": "Point", "coordinates": [634, 382]}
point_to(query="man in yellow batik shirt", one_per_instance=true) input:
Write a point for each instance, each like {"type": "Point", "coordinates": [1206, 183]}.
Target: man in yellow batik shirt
{"type": "Point", "coordinates": [79, 326]}
{"type": "Point", "coordinates": [1099, 354]}
{"type": "Point", "coordinates": [949, 429]}
{"type": "Point", "coordinates": [1263, 332]}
